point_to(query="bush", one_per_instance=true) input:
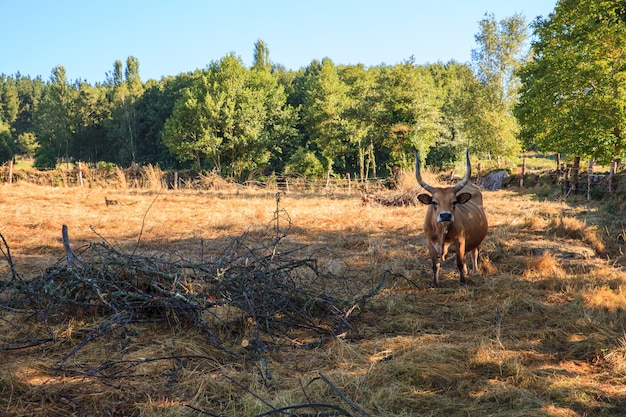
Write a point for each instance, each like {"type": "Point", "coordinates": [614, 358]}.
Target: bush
{"type": "Point", "coordinates": [442, 156]}
{"type": "Point", "coordinates": [304, 162]}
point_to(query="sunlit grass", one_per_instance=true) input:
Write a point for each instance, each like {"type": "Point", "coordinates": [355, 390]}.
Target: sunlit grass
{"type": "Point", "coordinates": [539, 332]}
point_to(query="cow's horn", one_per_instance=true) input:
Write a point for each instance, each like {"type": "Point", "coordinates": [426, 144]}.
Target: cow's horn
{"type": "Point", "coordinates": [420, 181]}
{"type": "Point", "coordinates": [468, 172]}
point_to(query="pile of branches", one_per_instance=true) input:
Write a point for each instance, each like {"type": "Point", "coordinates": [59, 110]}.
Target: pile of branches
{"type": "Point", "coordinates": [408, 198]}
{"type": "Point", "coordinates": [271, 290]}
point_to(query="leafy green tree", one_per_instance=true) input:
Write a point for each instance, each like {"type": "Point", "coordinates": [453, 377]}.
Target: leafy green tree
{"type": "Point", "coordinates": [153, 108]}
{"type": "Point", "coordinates": [573, 97]}
{"type": "Point", "coordinates": [123, 125]}
{"type": "Point", "coordinates": [456, 86]}
{"type": "Point", "coordinates": [55, 120]}
{"type": "Point", "coordinates": [188, 133]}
{"type": "Point", "coordinates": [30, 92]}
{"type": "Point", "coordinates": [92, 113]}
{"type": "Point", "coordinates": [6, 142]}
{"type": "Point", "coordinates": [227, 117]}
{"type": "Point", "coordinates": [27, 144]}
{"type": "Point", "coordinates": [492, 128]}
{"type": "Point", "coordinates": [324, 105]}
{"type": "Point", "coordinates": [116, 77]}
{"type": "Point", "coordinates": [411, 116]}
{"type": "Point", "coordinates": [261, 61]}
{"type": "Point", "coordinates": [362, 111]}
{"type": "Point", "coordinates": [10, 101]}
{"type": "Point", "coordinates": [304, 162]}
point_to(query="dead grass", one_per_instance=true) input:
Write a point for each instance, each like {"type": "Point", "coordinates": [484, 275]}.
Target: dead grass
{"type": "Point", "coordinates": [540, 332]}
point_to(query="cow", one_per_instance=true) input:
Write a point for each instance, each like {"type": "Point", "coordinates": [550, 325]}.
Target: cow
{"type": "Point", "coordinates": [455, 221]}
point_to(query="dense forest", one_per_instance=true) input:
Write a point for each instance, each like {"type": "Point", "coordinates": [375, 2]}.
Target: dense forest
{"type": "Point", "coordinates": [565, 93]}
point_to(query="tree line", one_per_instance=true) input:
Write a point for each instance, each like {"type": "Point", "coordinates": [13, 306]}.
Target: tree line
{"type": "Point", "coordinates": [564, 94]}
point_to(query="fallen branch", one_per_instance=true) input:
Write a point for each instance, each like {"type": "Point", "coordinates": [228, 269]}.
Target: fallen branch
{"type": "Point", "coordinates": [275, 292]}
{"type": "Point", "coordinates": [399, 200]}
{"type": "Point", "coordinates": [356, 407]}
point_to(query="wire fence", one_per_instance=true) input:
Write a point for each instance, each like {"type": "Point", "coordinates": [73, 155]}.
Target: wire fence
{"type": "Point", "coordinates": [574, 179]}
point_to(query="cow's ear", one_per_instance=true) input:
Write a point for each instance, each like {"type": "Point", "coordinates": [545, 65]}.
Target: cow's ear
{"type": "Point", "coordinates": [425, 198]}
{"type": "Point", "coordinates": [463, 198]}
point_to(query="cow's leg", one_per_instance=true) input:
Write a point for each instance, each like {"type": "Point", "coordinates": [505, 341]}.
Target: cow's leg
{"type": "Point", "coordinates": [436, 269]}
{"type": "Point", "coordinates": [461, 264]}
{"type": "Point", "coordinates": [474, 254]}
{"type": "Point", "coordinates": [434, 251]}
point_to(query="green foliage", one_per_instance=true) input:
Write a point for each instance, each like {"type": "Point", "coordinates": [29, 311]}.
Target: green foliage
{"type": "Point", "coordinates": [154, 107]}
{"type": "Point", "coordinates": [55, 120]}
{"type": "Point", "coordinates": [253, 121]}
{"type": "Point", "coordinates": [10, 101]}
{"type": "Point", "coordinates": [491, 127]}
{"type": "Point", "coordinates": [325, 101]}
{"type": "Point", "coordinates": [6, 143]}
{"type": "Point", "coordinates": [572, 98]}
{"type": "Point", "coordinates": [226, 116]}
{"type": "Point", "coordinates": [443, 156]}
{"type": "Point", "coordinates": [27, 143]}
{"type": "Point", "coordinates": [410, 117]}
{"type": "Point", "coordinates": [122, 127]}
{"type": "Point", "coordinates": [304, 162]}
{"type": "Point", "coordinates": [261, 57]}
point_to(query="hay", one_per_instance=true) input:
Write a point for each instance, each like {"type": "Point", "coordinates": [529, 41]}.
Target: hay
{"type": "Point", "coordinates": [531, 335]}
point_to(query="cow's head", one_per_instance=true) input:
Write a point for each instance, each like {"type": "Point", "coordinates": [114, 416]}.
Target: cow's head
{"type": "Point", "coordinates": [444, 199]}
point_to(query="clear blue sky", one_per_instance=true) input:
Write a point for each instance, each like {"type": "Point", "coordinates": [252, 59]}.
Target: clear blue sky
{"type": "Point", "coordinates": [170, 37]}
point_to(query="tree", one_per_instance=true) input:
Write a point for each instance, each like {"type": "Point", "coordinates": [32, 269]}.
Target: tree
{"type": "Point", "coordinates": [27, 144]}
{"type": "Point", "coordinates": [153, 109]}
{"type": "Point", "coordinates": [492, 128]}
{"type": "Point", "coordinates": [9, 101]}
{"type": "Point", "coordinates": [188, 133]}
{"type": "Point", "coordinates": [261, 60]}
{"type": "Point", "coordinates": [124, 124]}
{"type": "Point", "coordinates": [55, 120]}
{"type": "Point", "coordinates": [30, 92]}
{"type": "Point", "coordinates": [324, 104]}
{"type": "Point", "coordinates": [361, 112]}
{"type": "Point", "coordinates": [456, 86]}
{"type": "Point", "coordinates": [227, 118]}
{"type": "Point", "coordinates": [411, 116]}
{"type": "Point", "coordinates": [92, 113]}
{"type": "Point", "coordinates": [6, 142]}
{"type": "Point", "coordinates": [304, 162]}
{"type": "Point", "coordinates": [573, 97]}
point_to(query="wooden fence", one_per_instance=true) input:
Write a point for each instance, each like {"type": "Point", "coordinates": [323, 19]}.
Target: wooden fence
{"type": "Point", "coordinates": [572, 178]}
{"type": "Point", "coordinates": [577, 180]}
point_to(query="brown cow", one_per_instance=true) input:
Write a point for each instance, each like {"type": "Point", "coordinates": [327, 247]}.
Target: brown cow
{"type": "Point", "coordinates": [455, 221]}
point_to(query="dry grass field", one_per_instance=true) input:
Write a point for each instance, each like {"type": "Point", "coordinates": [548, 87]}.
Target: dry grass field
{"type": "Point", "coordinates": [539, 332]}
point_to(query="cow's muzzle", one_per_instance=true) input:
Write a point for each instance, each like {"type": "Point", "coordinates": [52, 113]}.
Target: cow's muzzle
{"type": "Point", "coordinates": [445, 217]}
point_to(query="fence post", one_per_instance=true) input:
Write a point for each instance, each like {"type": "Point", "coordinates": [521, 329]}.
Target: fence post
{"type": "Point", "coordinates": [575, 170]}
{"type": "Point", "coordinates": [11, 171]}
{"type": "Point", "coordinates": [80, 173]}
{"type": "Point", "coordinates": [589, 178]}
{"type": "Point", "coordinates": [349, 183]}
{"type": "Point", "coordinates": [611, 174]}
{"type": "Point", "coordinates": [521, 180]}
